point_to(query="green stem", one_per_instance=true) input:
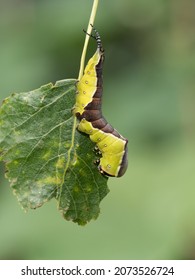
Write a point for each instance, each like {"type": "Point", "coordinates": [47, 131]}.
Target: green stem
{"type": "Point", "coordinates": [89, 29]}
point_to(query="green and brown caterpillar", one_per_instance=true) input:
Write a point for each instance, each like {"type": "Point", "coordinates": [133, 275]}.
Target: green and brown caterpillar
{"type": "Point", "coordinates": [112, 145]}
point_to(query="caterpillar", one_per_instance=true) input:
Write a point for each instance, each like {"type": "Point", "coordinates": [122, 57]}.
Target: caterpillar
{"type": "Point", "coordinates": [111, 145]}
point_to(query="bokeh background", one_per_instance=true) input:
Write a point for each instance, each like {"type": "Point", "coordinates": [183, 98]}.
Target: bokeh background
{"type": "Point", "coordinates": [149, 96]}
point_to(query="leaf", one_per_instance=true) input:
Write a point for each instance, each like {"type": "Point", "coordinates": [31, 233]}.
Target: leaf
{"type": "Point", "coordinates": [46, 157]}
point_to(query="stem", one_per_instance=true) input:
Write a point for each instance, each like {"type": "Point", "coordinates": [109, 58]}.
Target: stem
{"type": "Point", "coordinates": [89, 29]}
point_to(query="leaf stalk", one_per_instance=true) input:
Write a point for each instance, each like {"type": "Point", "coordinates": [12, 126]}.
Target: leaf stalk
{"type": "Point", "coordinates": [89, 30]}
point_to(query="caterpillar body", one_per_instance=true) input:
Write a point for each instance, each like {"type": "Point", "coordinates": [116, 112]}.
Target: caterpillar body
{"type": "Point", "coordinates": [112, 145]}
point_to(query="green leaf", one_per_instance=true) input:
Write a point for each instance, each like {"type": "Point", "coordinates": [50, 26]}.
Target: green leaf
{"type": "Point", "coordinates": [46, 157]}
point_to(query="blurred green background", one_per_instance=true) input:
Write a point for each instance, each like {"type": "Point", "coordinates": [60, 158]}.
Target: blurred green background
{"type": "Point", "coordinates": [148, 96]}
